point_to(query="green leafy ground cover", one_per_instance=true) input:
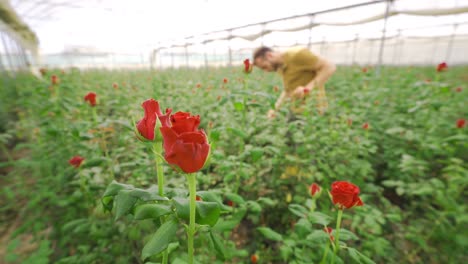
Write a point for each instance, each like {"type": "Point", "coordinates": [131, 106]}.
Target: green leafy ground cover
{"type": "Point", "coordinates": [410, 166]}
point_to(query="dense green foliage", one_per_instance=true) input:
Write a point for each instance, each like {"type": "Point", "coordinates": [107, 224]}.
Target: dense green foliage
{"type": "Point", "coordinates": [410, 164]}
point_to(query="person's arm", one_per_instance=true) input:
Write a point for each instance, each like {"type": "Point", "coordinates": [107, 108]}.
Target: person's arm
{"type": "Point", "coordinates": [278, 104]}
{"type": "Point", "coordinates": [324, 69]}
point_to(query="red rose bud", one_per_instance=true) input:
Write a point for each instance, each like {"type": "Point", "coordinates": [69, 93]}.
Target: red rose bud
{"type": "Point", "coordinates": [198, 198]}
{"type": "Point", "coordinates": [184, 144]}
{"type": "Point", "coordinates": [345, 195]}
{"type": "Point", "coordinates": [254, 258]}
{"type": "Point", "coordinates": [461, 123]}
{"type": "Point", "coordinates": [115, 86]}
{"type": "Point", "coordinates": [314, 189]}
{"type": "Point", "coordinates": [442, 67]}
{"type": "Point", "coordinates": [306, 90]}
{"type": "Point", "coordinates": [76, 161]}
{"type": "Point", "coordinates": [230, 203]}
{"type": "Point", "coordinates": [54, 79]}
{"type": "Point", "coordinates": [365, 126]}
{"type": "Point", "coordinates": [91, 98]}
{"type": "Point", "coordinates": [364, 70]}
{"type": "Point", "coordinates": [225, 80]}
{"type": "Point", "coordinates": [147, 124]}
{"type": "Point", "coordinates": [329, 231]}
{"type": "Point", "coordinates": [247, 66]}
{"type": "Point", "coordinates": [198, 85]}
{"type": "Point", "coordinates": [459, 89]}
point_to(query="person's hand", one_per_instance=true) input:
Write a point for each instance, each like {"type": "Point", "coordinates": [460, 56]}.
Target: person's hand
{"type": "Point", "coordinates": [271, 114]}
{"type": "Point", "coordinates": [301, 92]}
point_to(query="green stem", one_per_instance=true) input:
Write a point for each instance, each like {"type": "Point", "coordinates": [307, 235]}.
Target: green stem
{"type": "Point", "coordinates": [338, 225]}
{"type": "Point", "coordinates": [7, 153]}
{"type": "Point", "coordinates": [324, 258]}
{"type": "Point", "coordinates": [191, 230]}
{"type": "Point", "coordinates": [157, 148]}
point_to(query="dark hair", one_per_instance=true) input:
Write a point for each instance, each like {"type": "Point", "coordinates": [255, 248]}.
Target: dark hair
{"type": "Point", "coordinates": [260, 52]}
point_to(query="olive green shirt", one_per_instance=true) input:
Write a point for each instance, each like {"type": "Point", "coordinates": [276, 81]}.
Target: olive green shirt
{"type": "Point", "coordinates": [297, 68]}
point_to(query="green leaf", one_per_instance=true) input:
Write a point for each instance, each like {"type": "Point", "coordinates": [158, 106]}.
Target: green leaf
{"type": "Point", "coordinates": [318, 236]}
{"type": "Point", "coordinates": [206, 213]}
{"type": "Point", "coordinates": [237, 132]}
{"type": "Point", "coordinates": [112, 189]}
{"type": "Point", "coordinates": [359, 257]}
{"type": "Point", "coordinates": [270, 234]}
{"type": "Point", "coordinates": [347, 235]}
{"type": "Point", "coordinates": [298, 210]}
{"type": "Point", "coordinates": [160, 240]}
{"type": "Point", "coordinates": [124, 202]}
{"type": "Point", "coordinates": [319, 218]}
{"type": "Point", "coordinates": [218, 246]}
{"type": "Point", "coordinates": [237, 199]}
{"type": "Point", "coordinates": [239, 106]}
{"type": "Point", "coordinates": [267, 201]}
{"type": "Point", "coordinates": [254, 207]}
{"type": "Point", "coordinates": [229, 224]}
{"type": "Point", "coordinates": [153, 211]}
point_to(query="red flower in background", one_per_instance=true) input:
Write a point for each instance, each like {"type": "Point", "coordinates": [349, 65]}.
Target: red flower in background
{"type": "Point", "coordinates": [349, 121]}
{"type": "Point", "coordinates": [115, 86]}
{"type": "Point", "coordinates": [442, 67]}
{"type": "Point", "coordinates": [254, 259]}
{"type": "Point", "coordinates": [198, 85]}
{"type": "Point", "coordinates": [329, 231]}
{"type": "Point", "coordinates": [364, 70]}
{"type": "Point", "coordinates": [184, 144]}
{"type": "Point", "coordinates": [91, 98]}
{"type": "Point", "coordinates": [230, 203]}
{"type": "Point", "coordinates": [459, 89]}
{"type": "Point", "coordinates": [147, 124]}
{"type": "Point", "coordinates": [365, 126]}
{"type": "Point", "coordinates": [461, 123]}
{"type": "Point", "coordinates": [76, 161]}
{"type": "Point", "coordinates": [247, 66]}
{"type": "Point", "coordinates": [54, 79]}
{"type": "Point", "coordinates": [314, 189]}
{"type": "Point", "coordinates": [225, 80]}
{"type": "Point", "coordinates": [345, 194]}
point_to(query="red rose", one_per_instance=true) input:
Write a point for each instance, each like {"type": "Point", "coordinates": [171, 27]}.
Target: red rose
{"type": "Point", "coordinates": [115, 86]}
{"type": "Point", "coordinates": [365, 126]}
{"type": "Point", "coordinates": [461, 123]}
{"type": "Point", "coordinates": [91, 98]}
{"type": "Point", "coordinates": [345, 194]}
{"type": "Point", "coordinates": [225, 80]}
{"type": "Point", "coordinates": [254, 258]}
{"type": "Point", "coordinates": [184, 144]}
{"type": "Point", "coordinates": [442, 67]}
{"type": "Point", "coordinates": [230, 203]}
{"type": "Point", "coordinates": [459, 89]}
{"type": "Point", "coordinates": [314, 189]}
{"type": "Point", "coordinates": [54, 79]}
{"type": "Point", "coordinates": [247, 66]}
{"type": "Point", "coordinates": [329, 231]}
{"type": "Point", "coordinates": [76, 161]}
{"type": "Point", "coordinates": [147, 124]}
{"type": "Point", "coordinates": [364, 70]}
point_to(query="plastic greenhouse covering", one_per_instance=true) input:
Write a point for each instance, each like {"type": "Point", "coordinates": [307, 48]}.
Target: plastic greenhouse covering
{"type": "Point", "coordinates": [148, 33]}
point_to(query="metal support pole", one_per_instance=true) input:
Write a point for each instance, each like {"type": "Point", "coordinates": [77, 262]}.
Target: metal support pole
{"type": "Point", "coordinates": [205, 55]}
{"type": "Point", "coordinates": [262, 33]}
{"type": "Point", "coordinates": [7, 53]}
{"type": "Point", "coordinates": [230, 49]}
{"type": "Point", "coordinates": [396, 46]}
{"type": "Point", "coordinates": [382, 41]}
{"type": "Point", "coordinates": [186, 56]}
{"type": "Point", "coordinates": [354, 49]}
{"type": "Point", "coordinates": [450, 44]}
{"type": "Point", "coordinates": [434, 49]}
{"type": "Point", "coordinates": [311, 24]}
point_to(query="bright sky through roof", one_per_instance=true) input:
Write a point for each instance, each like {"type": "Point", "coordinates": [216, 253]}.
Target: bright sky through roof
{"type": "Point", "coordinates": [137, 25]}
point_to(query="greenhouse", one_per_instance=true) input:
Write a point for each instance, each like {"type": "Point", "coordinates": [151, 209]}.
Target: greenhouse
{"type": "Point", "coordinates": [241, 131]}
